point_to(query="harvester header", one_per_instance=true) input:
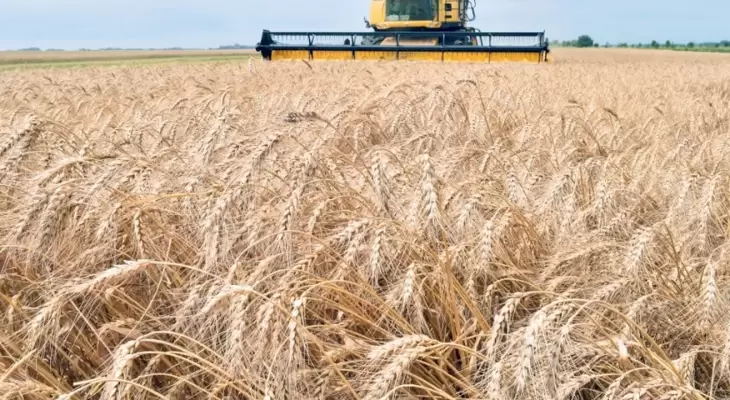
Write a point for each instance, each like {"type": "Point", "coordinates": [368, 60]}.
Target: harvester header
{"type": "Point", "coordinates": [417, 30]}
{"type": "Point", "coordinates": [406, 45]}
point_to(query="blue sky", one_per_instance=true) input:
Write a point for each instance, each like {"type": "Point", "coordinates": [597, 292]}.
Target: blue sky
{"type": "Point", "coordinates": [73, 24]}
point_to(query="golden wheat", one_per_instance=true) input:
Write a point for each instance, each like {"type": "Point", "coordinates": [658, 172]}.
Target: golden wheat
{"type": "Point", "coordinates": [368, 230]}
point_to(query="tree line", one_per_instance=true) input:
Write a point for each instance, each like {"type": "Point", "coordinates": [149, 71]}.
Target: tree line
{"type": "Point", "coordinates": [587, 41]}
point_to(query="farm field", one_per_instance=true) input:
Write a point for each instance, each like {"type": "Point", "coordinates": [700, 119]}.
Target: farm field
{"type": "Point", "coordinates": [338, 230]}
{"type": "Point", "coordinates": [16, 59]}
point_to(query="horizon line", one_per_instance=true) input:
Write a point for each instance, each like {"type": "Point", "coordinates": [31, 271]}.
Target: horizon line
{"type": "Point", "coordinates": [238, 46]}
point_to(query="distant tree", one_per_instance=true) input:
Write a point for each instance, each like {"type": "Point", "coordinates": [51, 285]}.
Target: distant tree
{"type": "Point", "coordinates": [584, 41]}
{"type": "Point", "coordinates": [234, 47]}
{"type": "Point", "coordinates": [668, 44]}
{"type": "Point", "coordinates": [725, 43]}
{"type": "Point", "coordinates": [654, 44]}
{"type": "Point", "coordinates": [607, 45]}
{"type": "Point", "coordinates": [691, 45]}
{"type": "Point", "coordinates": [623, 45]}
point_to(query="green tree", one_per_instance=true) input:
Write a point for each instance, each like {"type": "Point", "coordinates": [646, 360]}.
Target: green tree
{"type": "Point", "coordinates": [654, 44]}
{"type": "Point", "coordinates": [584, 41]}
{"type": "Point", "coordinates": [668, 44]}
{"type": "Point", "coordinates": [691, 45]}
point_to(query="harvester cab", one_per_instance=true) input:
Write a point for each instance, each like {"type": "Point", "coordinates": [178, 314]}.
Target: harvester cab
{"type": "Point", "coordinates": [428, 30]}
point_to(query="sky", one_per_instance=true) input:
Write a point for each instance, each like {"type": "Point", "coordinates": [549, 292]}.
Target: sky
{"type": "Point", "coordinates": [74, 24]}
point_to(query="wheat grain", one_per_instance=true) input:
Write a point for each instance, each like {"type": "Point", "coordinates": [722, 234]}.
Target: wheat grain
{"type": "Point", "coordinates": [685, 364]}
{"type": "Point", "coordinates": [501, 323]}
{"type": "Point", "coordinates": [110, 276]}
{"type": "Point", "coordinates": [293, 323]}
{"type": "Point", "coordinates": [123, 359]}
{"type": "Point", "coordinates": [709, 295]}
{"type": "Point", "coordinates": [223, 297]}
{"type": "Point", "coordinates": [393, 372]}
{"type": "Point", "coordinates": [638, 249]}
{"type": "Point", "coordinates": [528, 348]}
{"type": "Point", "coordinates": [402, 343]}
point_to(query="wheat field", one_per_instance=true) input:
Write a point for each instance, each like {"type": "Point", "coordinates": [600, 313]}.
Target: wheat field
{"type": "Point", "coordinates": [20, 59]}
{"type": "Point", "coordinates": [367, 230]}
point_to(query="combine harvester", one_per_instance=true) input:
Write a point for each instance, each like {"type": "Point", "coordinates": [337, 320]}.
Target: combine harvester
{"type": "Point", "coordinates": [421, 30]}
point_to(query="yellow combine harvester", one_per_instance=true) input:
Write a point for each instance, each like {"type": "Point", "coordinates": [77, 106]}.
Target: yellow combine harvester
{"type": "Point", "coordinates": [427, 30]}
